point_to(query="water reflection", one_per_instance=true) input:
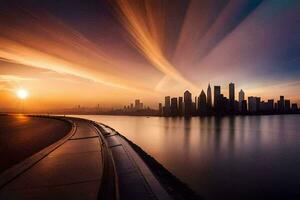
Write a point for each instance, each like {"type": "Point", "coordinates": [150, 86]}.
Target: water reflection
{"type": "Point", "coordinates": [187, 131]}
{"type": "Point", "coordinates": [218, 129]}
{"type": "Point", "coordinates": [242, 157]}
{"type": "Point", "coordinates": [231, 134]}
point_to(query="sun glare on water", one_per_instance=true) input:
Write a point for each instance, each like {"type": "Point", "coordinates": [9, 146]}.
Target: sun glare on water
{"type": "Point", "coordinates": [22, 93]}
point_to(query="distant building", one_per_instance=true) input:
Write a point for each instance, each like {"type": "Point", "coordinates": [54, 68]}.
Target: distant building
{"type": "Point", "coordinates": [241, 99]}
{"type": "Point", "coordinates": [287, 106]}
{"type": "Point", "coordinates": [281, 104]}
{"type": "Point", "coordinates": [264, 106]}
{"type": "Point", "coordinates": [137, 104]}
{"type": "Point", "coordinates": [271, 105]}
{"type": "Point", "coordinates": [267, 107]}
{"type": "Point", "coordinates": [224, 105]}
{"type": "Point", "coordinates": [187, 103]}
{"type": "Point", "coordinates": [294, 108]}
{"type": "Point", "coordinates": [194, 111]}
{"type": "Point", "coordinates": [160, 109]}
{"type": "Point", "coordinates": [174, 107]}
{"type": "Point", "coordinates": [209, 99]}
{"type": "Point", "coordinates": [244, 107]}
{"type": "Point", "coordinates": [257, 104]}
{"type": "Point", "coordinates": [252, 104]}
{"type": "Point", "coordinates": [167, 110]}
{"type": "Point", "coordinates": [217, 99]}
{"type": "Point", "coordinates": [236, 106]}
{"type": "Point", "coordinates": [180, 106]}
{"type": "Point", "coordinates": [276, 107]}
{"type": "Point", "coordinates": [202, 104]}
{"type": "Point", "coordinates": [231, 97]}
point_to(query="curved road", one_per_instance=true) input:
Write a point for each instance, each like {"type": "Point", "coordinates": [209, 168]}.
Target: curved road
{"type": "Point", "coordinates": [22, 136]}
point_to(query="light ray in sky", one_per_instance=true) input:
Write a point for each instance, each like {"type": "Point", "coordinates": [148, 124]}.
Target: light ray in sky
{"type": "Point", "coordinates": [70, 52]}
{"type": "Point", "coordinates": [146, 35]}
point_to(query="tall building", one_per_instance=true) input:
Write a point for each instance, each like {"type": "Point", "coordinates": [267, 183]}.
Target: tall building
{"type": "Point", "coordinates": [137, 104]}
{"type": "Point", "coordinates": [174, 108]}
{"type": "Point", "coordinates": [271, 105]}
{"type": "Point", "coordinates": [209, 99]}
{"type": "Point", "coordinates": [281, 104]}
{"type": "Point", "coordinates": [252, 104]}
{"type": "Point", "coordinates": [264, 106]}
{"type": "Point", "coordinates": [180, 106]}
{"type": "Point", "coordinates": [202, 105]}
{"type": "Point", "coordinates": [187, 103]}
{"type": "Point", "coordinates": [276, 107]}
{"type": "Point", "coordinates": [167, 110]}
{"type": "Point", "coordinates": [294, 108]}
{"type": "Point", "coordinates": [257, 104]}
{"type": "Point", "coordinates": [241, 99]}
{"type": "Point", "coordinates": [224, 105]}
{"type": "Point", "coordinates": [231, 97]}
{"type": "Point", "coordinates": [287, 106]}
{"type": "Point", "coordinates": [160, 109]}
{"type": "Point", "coordinates": [217, 99]}
{"type": "Point", "coordinates": [244, 107]}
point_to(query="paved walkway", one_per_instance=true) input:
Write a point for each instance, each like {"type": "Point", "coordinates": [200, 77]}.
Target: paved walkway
{"type": "Point", "coordinates": [72, 171]}
{"type": "Point", "coordinates": [135, 179]}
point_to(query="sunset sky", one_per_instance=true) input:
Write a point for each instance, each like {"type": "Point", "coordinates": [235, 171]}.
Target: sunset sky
{"type": "Point", "coordinates": [110, 52]}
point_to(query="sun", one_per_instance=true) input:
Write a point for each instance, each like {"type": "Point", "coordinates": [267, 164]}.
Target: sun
{"type": "Point", "coordinates": [22, 93]}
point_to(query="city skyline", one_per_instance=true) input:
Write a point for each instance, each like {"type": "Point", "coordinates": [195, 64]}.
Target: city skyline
{"type": "Point", "coordinates": [222, 105]}
{"type": "Point", "coordinates": [111, 52]}
{"type": "Point", "coordinates": [203, 104]}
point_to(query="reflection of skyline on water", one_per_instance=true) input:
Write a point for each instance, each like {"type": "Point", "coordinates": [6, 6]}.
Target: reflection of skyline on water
{"type": "Point", "coordinates": [222, 157]}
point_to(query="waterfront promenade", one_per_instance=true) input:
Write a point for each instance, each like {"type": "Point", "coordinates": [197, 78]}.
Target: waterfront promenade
{"type": "Point", "coordinates": [90, 162]}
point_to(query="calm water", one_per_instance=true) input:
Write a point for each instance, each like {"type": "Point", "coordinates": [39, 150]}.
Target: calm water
{"type": "Point", "coordinates": [251, 157]}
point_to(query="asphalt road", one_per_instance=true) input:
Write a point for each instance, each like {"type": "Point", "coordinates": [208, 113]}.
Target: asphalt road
{"type": "Point", "coordinates": [22, 136]}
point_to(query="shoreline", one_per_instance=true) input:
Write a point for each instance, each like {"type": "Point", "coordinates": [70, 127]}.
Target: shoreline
{"type": "Point", "coordinates": [173, 185]}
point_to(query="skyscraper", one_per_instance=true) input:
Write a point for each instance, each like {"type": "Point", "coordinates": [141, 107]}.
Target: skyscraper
{"type": "Point", "coordinates": [160, 109]}
{"type": "Point", "coordinates": [231, 97]}
{"type": "Point", "coordinates": [271, 105]}
{"type": "Point", "coordinates": [241, 99]}
{"type": "Point", "coordinates": [217, 99]}
{"type": "Point", "coordinates": [167, 110]}
{"type": "Point", "coordinates": [281, 104]}
{"type": "Point", "coordinates": [187, 103]}
{"type": "Point", "coordinates": [180, 106]}
{"type": "Point", "coordinates": [174, 108]}
{"type": "Point", "coordinates": [294, 108]}
{"type": "Point", "coordinates": [202, 106]}
{"type": "Point", "coordinates": [209, 99]}
{"type": "Point", "coordinates": [137, 104]}
{"type": "Point", "coordinates": [252, 104]}
{"type": "Point", "coordinates": [287, 105]}
{"type": "Point", "coordinates": [244, 107]}
{"type": "Point", "coordinates": [257, 104]}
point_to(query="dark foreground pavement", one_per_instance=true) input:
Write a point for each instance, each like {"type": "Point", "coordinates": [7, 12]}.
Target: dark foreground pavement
{"type": "Point", "coordinates": [21, 136]}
